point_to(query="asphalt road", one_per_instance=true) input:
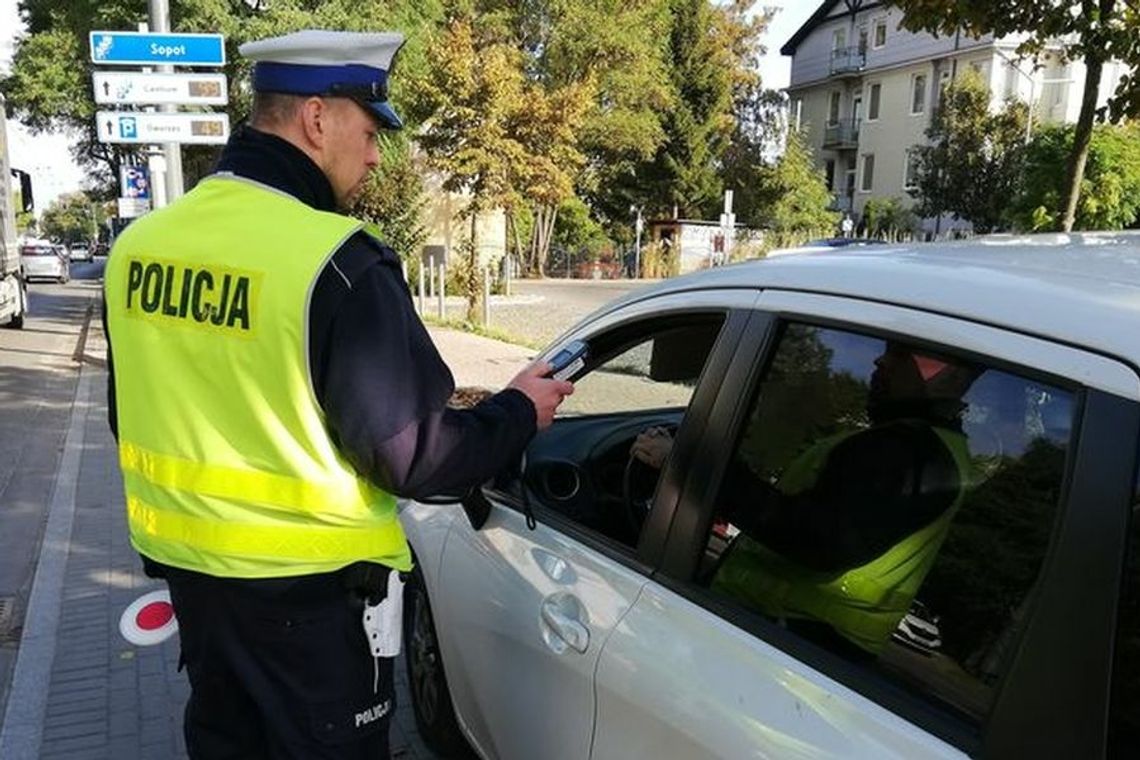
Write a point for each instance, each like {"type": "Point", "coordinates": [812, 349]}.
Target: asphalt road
{"type": "Point", "coordinates": [538, 311]}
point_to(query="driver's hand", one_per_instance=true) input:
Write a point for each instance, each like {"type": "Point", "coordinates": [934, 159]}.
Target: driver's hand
{"type": "Point", "coordinates": [652, 447]}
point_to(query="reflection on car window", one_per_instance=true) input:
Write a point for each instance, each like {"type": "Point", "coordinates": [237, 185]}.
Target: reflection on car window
{"type": "Point", "coordinates": [893, 505]}
{"type": "Point", "coordinates": [659, 372]}
{"type": "Point", "coordinates": [1124, 719]}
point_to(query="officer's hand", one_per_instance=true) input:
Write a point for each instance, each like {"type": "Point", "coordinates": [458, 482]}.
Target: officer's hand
{"type": "Point", "coordinates": [652, 447]}
{"type": "Point", "coordinates": [544, 392]}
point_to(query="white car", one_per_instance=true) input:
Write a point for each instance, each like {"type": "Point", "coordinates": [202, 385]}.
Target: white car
{"type": "Point", "coordinates": [44, 261]}
{"type": "Point", "coordinates": [80, 253]}
{"type": "Point", "coordinates": [683, 615]}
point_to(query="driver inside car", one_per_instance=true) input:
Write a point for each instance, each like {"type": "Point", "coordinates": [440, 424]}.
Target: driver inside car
{"type": "Point", "coordinates": [837, 546]}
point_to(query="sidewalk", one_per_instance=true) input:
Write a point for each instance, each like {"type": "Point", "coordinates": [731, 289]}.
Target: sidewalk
{"type": "Point", "coordinates": [79, 690]}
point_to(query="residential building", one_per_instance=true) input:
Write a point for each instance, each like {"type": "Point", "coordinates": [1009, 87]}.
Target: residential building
{"type": "Point", "coordinates": [865, 91]}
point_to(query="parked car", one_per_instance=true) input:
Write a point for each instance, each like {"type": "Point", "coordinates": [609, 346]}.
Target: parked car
{"type": "Point", "coordinates": [80, 252]}
{"type": "Point", "coordinates": [44, 261]}
{"type": "Point", "coordinates": [621, 624]}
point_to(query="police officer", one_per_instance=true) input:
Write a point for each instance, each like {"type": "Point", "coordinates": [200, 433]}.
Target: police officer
{"type": "Point", "coordinates": [273, 392]}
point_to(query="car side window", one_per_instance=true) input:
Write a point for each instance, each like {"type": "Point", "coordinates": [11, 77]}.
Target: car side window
{"type": "Point", "coordinates": [1124, 717]}
{"type": "Point", "coordinates": [892, 505]}
{"type": "Point", "coordinates": [639, 383]}
{"type": "Point", "coordinates": [659, 371]}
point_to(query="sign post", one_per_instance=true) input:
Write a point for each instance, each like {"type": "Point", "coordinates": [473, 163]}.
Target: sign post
{"type": "Point", "coordinates": [168, 126]}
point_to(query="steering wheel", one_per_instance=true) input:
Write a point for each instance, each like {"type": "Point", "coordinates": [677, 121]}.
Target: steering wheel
{"type": "Point", "coordinates": [637, 509]}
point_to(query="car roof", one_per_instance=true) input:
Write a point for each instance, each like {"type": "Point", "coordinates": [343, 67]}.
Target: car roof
{"type": "Point", "coordinates": [1081, 289]}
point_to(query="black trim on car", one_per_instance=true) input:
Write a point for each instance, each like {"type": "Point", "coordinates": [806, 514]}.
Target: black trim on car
{"type": "Point", "coordinates": [689, 528]}
{"type": "Point", "coordinates": [1055, 699]}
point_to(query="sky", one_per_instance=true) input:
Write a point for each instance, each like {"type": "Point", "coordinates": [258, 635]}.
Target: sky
{"type": "Point", "coordinates": [53, 172]}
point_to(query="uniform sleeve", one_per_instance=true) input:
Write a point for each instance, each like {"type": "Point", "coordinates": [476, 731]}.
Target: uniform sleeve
{"type": "Point", "coordinates": [112, 411]}
{"type": "Point", "coordinates": [384, 387]}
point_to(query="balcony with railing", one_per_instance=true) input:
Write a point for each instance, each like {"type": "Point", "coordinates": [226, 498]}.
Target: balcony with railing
{"type": "Point", "coordinates": [848, 61]}
{"type": "Point", "coordinates": [841, 135]}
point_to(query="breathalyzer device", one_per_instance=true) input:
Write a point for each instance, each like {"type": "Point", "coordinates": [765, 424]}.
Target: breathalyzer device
{"type": "Point", "coordinates": [568, 360]}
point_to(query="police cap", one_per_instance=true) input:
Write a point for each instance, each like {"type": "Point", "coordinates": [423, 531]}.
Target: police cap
{"type": "Point", "coordinates": [320, 62]}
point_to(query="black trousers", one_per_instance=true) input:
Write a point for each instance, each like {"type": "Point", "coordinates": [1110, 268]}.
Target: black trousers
{"type": "Point", "coordinates": [280, 668]}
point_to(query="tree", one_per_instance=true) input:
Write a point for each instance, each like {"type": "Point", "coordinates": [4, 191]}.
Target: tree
{"type": "Point", "coordinates": [72, 218]}
{"type": "Point", "coordinates": [972, 166]}
{"type": "Point", "coordinates": [684, 172]}
{"type": "Point", "coordinates": [759, 115]}
{"type": "Point", "coordinates": [49, 87]}
{"type": "Point", "coordinates": [1110, 188]}
{"type": "Point", "coordinates": [796, 198]}
{"type": "Point", "coordinates": [474, 93]}
{"type": "Point", "coordinates": [393, 197]}
{"type": "Point", "coordinates": [1094, 31]}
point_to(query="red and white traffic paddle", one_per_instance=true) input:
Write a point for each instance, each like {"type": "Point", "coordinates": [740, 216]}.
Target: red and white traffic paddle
{"type": "Point", "coordinates": [149, 620]}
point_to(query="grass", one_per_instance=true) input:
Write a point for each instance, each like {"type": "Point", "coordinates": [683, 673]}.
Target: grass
{"type": "Point", "coordinates": [486, 332]}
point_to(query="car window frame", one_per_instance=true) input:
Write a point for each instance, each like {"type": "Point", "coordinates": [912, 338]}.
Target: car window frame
{"type": "Point", "coordinates": [735, 304]}
{"type": "Point", "coordinates": [1016, 708]}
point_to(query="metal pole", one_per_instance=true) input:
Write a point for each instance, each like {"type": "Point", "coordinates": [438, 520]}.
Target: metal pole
{"type": "Point", "coordinates": [159, 11]}
{"type": "Point", "coordinates": [421, 289]}
{"type": "Point", "coordinates": [442, 290]}
{"type": "Point", "coordinates": [486, 298]}
{"type": "Point", "coordinates": [637, 248]}
{"type": "Point", "coordinates": [431, 276]}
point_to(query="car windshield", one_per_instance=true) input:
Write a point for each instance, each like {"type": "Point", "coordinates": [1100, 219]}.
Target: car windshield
{"type": "Point", "coordinates": [40, 250]}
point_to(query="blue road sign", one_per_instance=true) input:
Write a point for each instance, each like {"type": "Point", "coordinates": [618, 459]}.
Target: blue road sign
{"type": "Point", "coordinates": [128, 127]}
{"type": "Point", "coordinates": [147, 49]}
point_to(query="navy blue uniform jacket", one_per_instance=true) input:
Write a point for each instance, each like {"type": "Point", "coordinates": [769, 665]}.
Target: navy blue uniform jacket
{"type": "Point", "coordinates": [378, 378]}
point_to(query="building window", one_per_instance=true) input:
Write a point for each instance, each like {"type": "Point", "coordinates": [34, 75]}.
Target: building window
{"type": "Point", "coordinates": [863, 41]}
{"type": "Point", "coordinates": [875, 96]}
{"type": "Point", "coordinates": [839, 39]}
{"type": "Point", "coordinates": [829, 173]}
{"type": "Point", "coordinates": [918, 97]}
{"type": "Point", "coordinates": [880, 34]}
{"type": "Point", "coordinates": [833, 109]}
{"type": "Point", "coordinates": [910, 176]}
{"type": "Point", "coordinates": [1010, 89]}
{"type": "Point", "coordinates": [868, 179]}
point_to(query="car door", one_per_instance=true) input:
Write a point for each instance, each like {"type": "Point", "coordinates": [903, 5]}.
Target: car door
{"type": "Point", "coordinates": [983, 659]}
{"type": "Point", "coordinates": [523, 613]}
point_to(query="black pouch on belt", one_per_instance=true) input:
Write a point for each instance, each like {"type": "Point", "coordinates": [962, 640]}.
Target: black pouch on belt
{"type": "Point", "coordinates": [368, 579]}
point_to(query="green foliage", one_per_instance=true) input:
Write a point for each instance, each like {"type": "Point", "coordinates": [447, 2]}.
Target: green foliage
{"type": "Point", "coordinates": [698, 126]}
{"type": "Point", "coordinates": [1110, 189]}
{"type": "Point", "coordinates": [576, 230]}
{"type": "Point", "coordinates": [393, 198]}
{"type": "Point", "coordinates": [972, 164]}
{"type": "Point", "coordinates": [759, 128]}
{"type": "Point", "coordinates": [50, 82]}
{"type": "Point", "coordinates": [72, 218]}
{"type": "Point", "coordinates": [794, 196]}
{"type": "Point", "coordinates": [888, 219]}
{"type": "Point", "coordinates": [659, 260]}
{"type": "Point", "coordinates": [1093, 31]}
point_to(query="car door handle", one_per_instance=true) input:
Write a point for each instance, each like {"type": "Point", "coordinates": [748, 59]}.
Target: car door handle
{"type": "Point", "coordinates": [574, 633]}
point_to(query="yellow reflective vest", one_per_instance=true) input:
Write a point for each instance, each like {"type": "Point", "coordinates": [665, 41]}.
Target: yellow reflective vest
{"type": "Point", "coordinates": [863, 604]}
{"type": "Point", "coordinates": [227, 466]}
